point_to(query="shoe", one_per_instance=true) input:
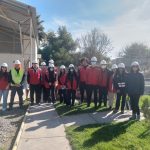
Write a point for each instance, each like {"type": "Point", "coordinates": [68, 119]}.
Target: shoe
{"type": "Point", "coordinates": [110, 108]}
{"type": "Point", "coordinates": [122, 111]}
{"type": "Point", "coordinates": [115, 111]}
{"type": "Point", "coordinates": [133, 117]}
{"type": "Point", "coordinates": [138, 118]}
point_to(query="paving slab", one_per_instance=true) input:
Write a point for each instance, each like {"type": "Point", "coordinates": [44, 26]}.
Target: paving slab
{"type": "Point", "coordinates": [43, 130]}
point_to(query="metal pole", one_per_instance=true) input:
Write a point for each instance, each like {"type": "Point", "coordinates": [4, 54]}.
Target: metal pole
{"type": "Point", "coordinates": [21, 42]}
{"type": "Point", "coordinates": [31, 40]}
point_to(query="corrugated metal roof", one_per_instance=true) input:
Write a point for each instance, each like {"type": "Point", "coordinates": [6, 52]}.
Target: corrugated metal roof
{"type": "Point", "coordinates": [12, 12]}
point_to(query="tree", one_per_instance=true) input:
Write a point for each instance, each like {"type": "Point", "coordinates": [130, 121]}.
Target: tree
{"type": "Point", "coordinates": [95, 43]}
{"type": "Point", "coordinates": [41, 33]}
{"type": "Point", "coordinates": [136, 52]}
{"type": "Point", "coordinates": [59, 46]}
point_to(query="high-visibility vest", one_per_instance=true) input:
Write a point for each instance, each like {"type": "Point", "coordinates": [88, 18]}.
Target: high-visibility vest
{"type": "Point", "coordinates": [17, 77]}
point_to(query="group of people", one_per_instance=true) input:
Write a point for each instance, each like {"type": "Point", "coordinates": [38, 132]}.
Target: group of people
{"type": "Point", "coordinates": [90, 78]}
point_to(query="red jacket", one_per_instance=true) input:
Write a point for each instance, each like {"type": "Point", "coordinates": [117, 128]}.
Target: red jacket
{"type": "Point", "coordinates": [34, 76]}
{"type": "Point", "coordinates": [71, 84]}
{"type": "Point", "coordinates": [92, 75]}
{"type": "Point", "coordinates": [111, 87]}
{"type": "Point", "coordinates": [104, 78]}
{"type": "Point", "coordinates": [62, 81]}
{"type": "Point", "coordinates": [4, 82]}
{"type": "Point", "coordinates": [82, 73]}
{"type": "Point", "coordinates": [43, 71]}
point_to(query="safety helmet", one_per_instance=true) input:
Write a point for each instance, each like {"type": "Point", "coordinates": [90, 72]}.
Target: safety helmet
{"type": "Point", "coordinates": [94, 59]}
{"type": "Point", "coordinates": [62, 67]}
{"type": "Point", "coordinates": [121, 65]}
{"type": "Point", "coordinates": [51, 61]}
{"type": "Point", "coordinates": [34, 62]}
{"type": "Point", "coordinates": [43, 64]}
{"type": "Point", "coordinates": [51, 65]}
{"type": "Point", "coordinates": [114, 66]}
{"type": "Point", "coordinates": [135, 63]}
{"type": "Point", "coordinates": [71, 66]}
{"type": "Point", "coordinates": [4, 65]}
{"type": "Point", "coordinates": [17, 62]}
{"type": "Point", "coordinates": [103, 62]}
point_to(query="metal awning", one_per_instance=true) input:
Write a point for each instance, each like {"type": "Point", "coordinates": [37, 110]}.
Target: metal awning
{"type": "Point", "coordinates": [20, 20]}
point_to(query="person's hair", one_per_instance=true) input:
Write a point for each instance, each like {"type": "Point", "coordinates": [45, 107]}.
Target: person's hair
{"type": "Point", "coordinates": [83, 59]}
{"type": "Point", "coordinates": [5, 74]}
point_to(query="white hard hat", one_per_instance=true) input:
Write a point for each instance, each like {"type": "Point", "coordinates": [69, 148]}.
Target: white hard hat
{"type": "Point", "coordinates": [135, 63]}
{"type": "Point", "coordinates": [94, 59]}
{"type": "Point", "coordinates": [4, 65]}
{"type": "Point", "coordinates": [121, 65]}
{"type": "Point", "coordinates": [51, 61]}
{"type": "Point", "coordinates": [17, 62]}
{"type": "Point", "coordinates": [114, 66]}
{"type": "Point", "coordinates": [62, 67]}
{"type": "Point", "coordinates": [71, 66]}
{"type": "Point", "coordinates": [43, 64]}
{"type": "Point", "coordinates": [34, 62]}
{"type": "Point", "coordinates": [51, 65]}
{"type": "Point", "coordinates": [103, 62]}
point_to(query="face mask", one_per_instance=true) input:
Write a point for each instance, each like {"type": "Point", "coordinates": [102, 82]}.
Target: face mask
{"type": "Point", "coordinates": [51, 69]}
{"type": "Point", "coordinates": [103, 66]}
{"type": "Point", "coordinates": [71, 70]}
{"type": "Point", "coordinates": [93, 63]}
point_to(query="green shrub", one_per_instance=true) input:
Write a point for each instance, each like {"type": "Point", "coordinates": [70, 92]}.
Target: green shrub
{"type": "Point", "coordinates": [146, 108]}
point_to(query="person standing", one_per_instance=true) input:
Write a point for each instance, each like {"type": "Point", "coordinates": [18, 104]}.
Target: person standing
{"type": "Point", "coordinates": [92, 78]}
{"type": "Point", "coordinates": [61, 84]}
{"type": "Point", "coordinates": [34, 79]}
{"type": "Point", "coordinates": [103, 83]}
{"type": "Point", "coordinates": [4, 85]}
{"type": "Point", "coordinates": [111, 88]}
{"type": "Point", "coordinates": [82, 77]}
{"type": "Point", "coordinates": [135, 88]}
{"type": "Point", "coordinates": [16, 79]}
{"type": "Point", "coordinates": [120, 83]}
{"type": "Point", "coordinates": [72, 85]}
{"type": "Point", "coordinates": [43, 88]}
{"type": "Point", "coordinates": [51, 80]}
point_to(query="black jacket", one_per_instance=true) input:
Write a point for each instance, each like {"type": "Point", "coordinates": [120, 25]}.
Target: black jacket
{"type": "Point", "coordinates": [120, 82]}
{"type": "Point", "coordinates": [135, 84]}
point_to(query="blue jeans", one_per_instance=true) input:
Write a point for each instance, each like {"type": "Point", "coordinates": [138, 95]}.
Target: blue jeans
{"type": "Point", "coordinates": [4, 94]}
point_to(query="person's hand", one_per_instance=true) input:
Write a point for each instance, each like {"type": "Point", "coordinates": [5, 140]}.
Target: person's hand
{"type": "Point", "coordinates": [7, 87]}
{"type": "Point", "coordinates": [17, 85]}
{"type": "Point", "coordinates": [118, 91]}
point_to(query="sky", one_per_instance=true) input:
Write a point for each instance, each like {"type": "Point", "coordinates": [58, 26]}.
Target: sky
{"type": "Point", "coordinates": [124, 21]}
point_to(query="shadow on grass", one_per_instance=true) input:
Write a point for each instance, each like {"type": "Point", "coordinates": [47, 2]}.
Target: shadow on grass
{"type": "Point", "coordinates": [64, 110]}
{"type": "Point", "coordinates": [105, 133]}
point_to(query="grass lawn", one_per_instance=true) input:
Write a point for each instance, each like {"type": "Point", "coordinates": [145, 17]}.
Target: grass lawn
{"type": "Point", "coordinates": [115, 136]}
{"type": "Point", "coordinates": [78, 109]}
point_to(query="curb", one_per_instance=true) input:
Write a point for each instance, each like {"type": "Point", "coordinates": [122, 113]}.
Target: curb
{"type": "Point", "coordinates": [15, 146]}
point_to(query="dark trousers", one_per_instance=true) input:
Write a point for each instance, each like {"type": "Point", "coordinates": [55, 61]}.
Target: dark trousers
{"type": "Point", "coordinates": [35, 89]}
{"type": "Point", "coordinates": [90, 90]}
{"type": "Point", "coordinates": [103, 95]}
{"type": "Point", "coordinates": [71, 95]}
{"type": "Point", "coordinates": [45, 94]}
{"type": "Point", "coordinates": [19, 91]}
{"type": "Point", "coordinates": [120, 96]}
{"type": "Point", "coordinates": [51, 94]}
{"type": "Point", "coordinates": [82, 87]}
{"type": "Point", "coordinates": [134, 100]}
{"type": "Point", "coordinates": [62, 96]}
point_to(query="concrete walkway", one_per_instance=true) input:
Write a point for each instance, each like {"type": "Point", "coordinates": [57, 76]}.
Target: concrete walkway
{"type": "Point", "coordinates": [43, 130]}
{"type": "Point", "coordinates": [96, 117]}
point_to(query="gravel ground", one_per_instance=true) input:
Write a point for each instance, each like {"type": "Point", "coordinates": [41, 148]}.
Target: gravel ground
{"type": "Point", "coordinates": [10, 122]}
